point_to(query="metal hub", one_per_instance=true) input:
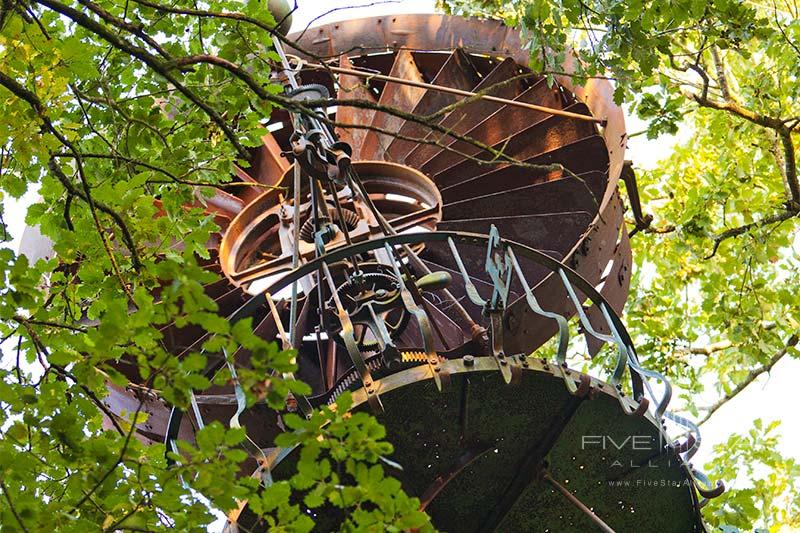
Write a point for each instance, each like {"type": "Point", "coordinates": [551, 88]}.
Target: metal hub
{"type": "Point", "coordinates": [259, 241]}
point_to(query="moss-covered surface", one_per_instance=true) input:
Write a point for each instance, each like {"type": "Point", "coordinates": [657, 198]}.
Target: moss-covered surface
{"type": "Point", "coordinates": [612, 462]}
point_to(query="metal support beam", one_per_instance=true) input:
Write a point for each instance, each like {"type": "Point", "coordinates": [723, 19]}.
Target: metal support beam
{"type": "Point", "coordinates": [577, 503]}
{"type": "Point", "coordinates": [530, 466]}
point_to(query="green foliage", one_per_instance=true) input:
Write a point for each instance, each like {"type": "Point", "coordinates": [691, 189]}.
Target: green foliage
{"type": "Point", "coordinates": [339, 466]}
{"type": "Point", "coordinates": [762, 482]}
{"type": "Point", "coordinates": [110, 111]}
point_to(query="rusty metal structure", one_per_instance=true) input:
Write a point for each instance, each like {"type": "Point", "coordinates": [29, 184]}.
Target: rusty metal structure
{"type": "Point", "coordinates": [419, 254]}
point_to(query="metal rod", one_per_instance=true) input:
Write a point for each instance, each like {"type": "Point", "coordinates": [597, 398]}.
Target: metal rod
{"type": "Point", "coordinates": [295, 255]}
{"type": "Point", "coordinates": [577, 503]}
{"type": "Point", "coordinates": [451, 90]}
{"type": "Point", "coordinates": [290, 73]}
{"type": "Point", "coordinates": [331, 364]}
{"type": "Point", "coordinates": [196, 408]}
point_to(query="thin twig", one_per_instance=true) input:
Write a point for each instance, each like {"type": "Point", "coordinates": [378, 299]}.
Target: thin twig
{"type": "Point", "coordinates": [740, 230]}
{"type": "Point", "coordinates": [751, 377]}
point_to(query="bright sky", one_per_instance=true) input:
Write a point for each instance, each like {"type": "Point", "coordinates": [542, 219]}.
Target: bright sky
{"type": "Point", "coordinates": [766, 398]}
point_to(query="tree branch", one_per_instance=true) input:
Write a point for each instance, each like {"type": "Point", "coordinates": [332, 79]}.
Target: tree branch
{"type": "Point", "coordinates": [740, 230]}
{"type": "Point", "coordinates": [17, 89]}
{"type": "Point", "coordinates": [127, 26]}
{"type": "Point", "coordinates": [81, 19]}
{"type": "Point", "coordinates": [11, 506]}
{"type": "Point", "coordinates": [722, 78]}
{"type": "Point", "coordinates": [238, 17]}
{"type": "Point", "coordinates": [72, 190]}
{"type": "Point", "coordinates": [708, 349]}
{"type": "Point", "coordinates": [790, 167]}
{"type": "Point", "coordinates": [751, 377]}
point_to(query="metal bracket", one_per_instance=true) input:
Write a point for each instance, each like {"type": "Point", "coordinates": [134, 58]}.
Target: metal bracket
{"type": "Point", "coordinates": [352, 346]}
{"type": "Point", "coordinates": [498, 269]}
{"type": "Point", "coordinates": [563, 327]}
{"type": "Point", "coordinates": [503, 363]}
{"type": "Point", "coordinates": [629, 178]}
{"type": "Point", "coordinates": [434, 363]}
{"type": "Point", "coordinates": [472, 291]}
{"type": "Point", "coordinates": [389, 352]}
{"type": "Point", "coordinates": [302, 402]}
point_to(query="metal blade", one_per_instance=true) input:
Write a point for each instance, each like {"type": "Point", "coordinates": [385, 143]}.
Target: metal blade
{"type": "Point", "coordinates": [540, 138]}
{"type": "Point", "coordinates": [457, 72]}
{"type": "Point", "coordinates": [247, 194]}
{"type": "Point", "coordinates": [469, 115]}
{"type": "Point", "coordinates": [354, 88]}
{"type": "Point", "coordinates": [397, 96]}
{"type": "Point", "coordinates": [269, 165]}
{"type": "Point", "coordinates": [501, 125]}
{"type": "Point", "coordinates": [580, 157]}
{"type": "Point", "coordinates": [224, 204]}
{"type": "Point", "coordinates": [554, 233]}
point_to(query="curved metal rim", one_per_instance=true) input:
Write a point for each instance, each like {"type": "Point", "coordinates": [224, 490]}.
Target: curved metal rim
{"type": "Point", "coordinates": [415, 238]}
{"type": "Point", "coordinates": [266, 205]}
{"type": "Point", "coordinates": [429, 32]}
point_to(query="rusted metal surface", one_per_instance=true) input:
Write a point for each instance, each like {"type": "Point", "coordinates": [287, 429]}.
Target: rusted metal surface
{"type": "Point", "coordinates": [499, 82]}
{"type": "Point", "coordinates": [457, 72]}
{"type": "Point", "coordinates": [402, 97]}
{"type": "Point", "coordinates": [268, 165]}
{"type": "Point", "coordinates": [502, 124]}
{"type": "Point", "coordinates": [354, 88]}
{"type": "Point", "coordinates": [551, 142]}
{"type": "Point", "coordinates": [615, 290]}
{"type": "Point", "coordinates": [485, 96]}
{"type": "Point", "coordinates": [407, 196]}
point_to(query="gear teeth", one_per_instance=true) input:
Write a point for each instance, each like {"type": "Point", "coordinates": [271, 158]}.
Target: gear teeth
{"type": "Point", "coordinates": [351, 378]}
{"type": "Point", "coordinates": [414, 357]}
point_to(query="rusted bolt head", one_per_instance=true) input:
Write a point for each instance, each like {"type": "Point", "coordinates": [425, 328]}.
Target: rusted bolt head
{"type": "Point", "coordinates": [469, 360]}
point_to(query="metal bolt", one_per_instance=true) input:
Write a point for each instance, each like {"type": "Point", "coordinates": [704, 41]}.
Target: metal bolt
{"type": "Point", "coordinates": [469, 360]}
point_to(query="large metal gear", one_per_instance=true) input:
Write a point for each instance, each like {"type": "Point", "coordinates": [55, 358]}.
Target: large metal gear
{"type": "Point", "coordinates": [379, 289]}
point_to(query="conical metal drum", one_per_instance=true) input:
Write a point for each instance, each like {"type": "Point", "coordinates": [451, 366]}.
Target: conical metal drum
{"type": "Point", "coordinates": [419, 239]}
